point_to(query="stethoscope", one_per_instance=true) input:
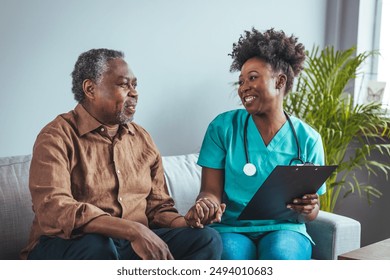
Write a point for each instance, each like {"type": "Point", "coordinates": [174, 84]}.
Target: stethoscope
{"type": "Point", "coordinates": [250, 169]}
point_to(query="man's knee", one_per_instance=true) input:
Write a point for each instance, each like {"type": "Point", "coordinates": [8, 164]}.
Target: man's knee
{"type": "Point", "coordinates": [210, 240]}
{"type": "Point", "coordinates": [98, 247]}
{"type": "Point", "coordinates": [87, 247]}
{"type": "Point", "coordinates": [210, 235]}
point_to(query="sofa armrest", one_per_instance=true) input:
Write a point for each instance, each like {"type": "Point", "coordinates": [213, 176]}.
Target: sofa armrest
{"type": "Point", "coordinates": [334, 235]}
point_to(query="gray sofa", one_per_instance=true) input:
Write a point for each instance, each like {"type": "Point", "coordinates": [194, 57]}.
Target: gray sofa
{"type": "Point", "coordinates": [333, 234]}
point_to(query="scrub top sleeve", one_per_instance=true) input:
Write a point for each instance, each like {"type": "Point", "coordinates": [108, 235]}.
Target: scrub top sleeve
{"type": "Point", "coordinates": [212, 153]}
{"type": "Point", "coordinates": [317, 156]}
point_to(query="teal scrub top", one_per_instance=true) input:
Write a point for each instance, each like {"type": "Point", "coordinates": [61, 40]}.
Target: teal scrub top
{"type": "Point", "coordinates": [223, 148]}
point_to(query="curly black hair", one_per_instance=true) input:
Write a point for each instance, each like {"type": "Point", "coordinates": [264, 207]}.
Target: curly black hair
{"type": "Point", "coordinates": [282, 52]}
{"type": "Point", "coordinates": [91, 65]}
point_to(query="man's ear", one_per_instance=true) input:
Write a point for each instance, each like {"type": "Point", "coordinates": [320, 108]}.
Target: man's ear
{"type": "Point", "coordinates": [281, 81]}
{"type": "Point", "coordinates": [88, 88]}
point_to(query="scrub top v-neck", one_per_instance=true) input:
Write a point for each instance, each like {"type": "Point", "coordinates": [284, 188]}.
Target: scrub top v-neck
{"type": "Point", "coordinates": [223, 148]}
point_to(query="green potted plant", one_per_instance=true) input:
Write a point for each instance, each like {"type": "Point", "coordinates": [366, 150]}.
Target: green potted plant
{"type": "Point", "coordinates": [321, 99]}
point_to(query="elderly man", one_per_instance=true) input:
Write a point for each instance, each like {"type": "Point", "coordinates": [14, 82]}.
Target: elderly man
{"type": "Point", "coordinates": [96, 178]}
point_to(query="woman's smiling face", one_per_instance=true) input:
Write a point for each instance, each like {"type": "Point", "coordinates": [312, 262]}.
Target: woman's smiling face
{"type": "Point", "coordinates": [259, 88]}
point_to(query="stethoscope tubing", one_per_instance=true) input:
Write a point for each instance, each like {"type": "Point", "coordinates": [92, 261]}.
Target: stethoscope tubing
{"type": "Point", "coordinates": [298, 158]}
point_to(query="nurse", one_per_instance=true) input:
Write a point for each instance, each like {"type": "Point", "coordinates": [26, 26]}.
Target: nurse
{"type": "Point", "coordinates": [241, 148]}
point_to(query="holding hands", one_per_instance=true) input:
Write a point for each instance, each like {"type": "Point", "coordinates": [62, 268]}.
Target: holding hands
{"type": "Point", "coordinates": [204, 211]}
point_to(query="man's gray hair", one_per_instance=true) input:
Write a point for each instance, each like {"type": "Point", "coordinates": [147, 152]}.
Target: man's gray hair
{"type": "Point", "coordinates": [91, 65]}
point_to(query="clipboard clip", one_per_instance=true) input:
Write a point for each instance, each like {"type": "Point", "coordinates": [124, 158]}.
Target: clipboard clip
{"type": "Point", "coordinates": [307, 163]}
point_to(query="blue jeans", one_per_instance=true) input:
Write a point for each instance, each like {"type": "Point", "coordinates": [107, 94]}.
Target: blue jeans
{"type": "Point", "coordinates": [275, 245]}
{"type": "Point", "coordinates": [184, 244]}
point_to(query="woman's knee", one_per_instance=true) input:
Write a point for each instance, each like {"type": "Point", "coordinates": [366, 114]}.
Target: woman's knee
{"type": "Point", "coordinates": [284, 245]}
{"type": "Point", "coordinates": [237, 246]}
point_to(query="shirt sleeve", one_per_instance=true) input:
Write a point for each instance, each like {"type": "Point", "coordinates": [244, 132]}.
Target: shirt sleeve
{"type": "Point", "coordinates": [213, 152]}
{"type": "Point", "coordinates": [56, 210]}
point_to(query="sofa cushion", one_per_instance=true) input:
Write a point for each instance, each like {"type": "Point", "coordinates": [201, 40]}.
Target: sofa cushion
{"type": "Point", "coordinates": [333, 234]}
{"type": "Point", "coordinates": [16, 213]}
{"type": "Point", "coordinates": [182, 175]}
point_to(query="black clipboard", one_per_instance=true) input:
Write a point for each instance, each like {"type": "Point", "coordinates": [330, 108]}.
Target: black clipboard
{"type": "Point", "coordinates": [283, 185]}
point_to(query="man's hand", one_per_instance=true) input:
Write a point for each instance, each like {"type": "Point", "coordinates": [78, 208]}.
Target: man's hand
{"type": "Point", "coordinates": [148, 246]}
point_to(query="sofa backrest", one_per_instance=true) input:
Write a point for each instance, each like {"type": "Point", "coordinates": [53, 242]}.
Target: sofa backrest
{"type": "Point", "coordinates": [16, 213]}
{"type": "Point", "coordinates": [182, 175]}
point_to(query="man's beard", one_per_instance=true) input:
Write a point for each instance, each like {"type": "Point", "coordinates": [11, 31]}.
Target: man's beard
{"type": "Point", "coordinates": [123, 119]}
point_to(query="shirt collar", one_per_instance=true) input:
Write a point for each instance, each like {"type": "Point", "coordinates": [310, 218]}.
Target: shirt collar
{"type": "Point", "coordinates": [87, 123]}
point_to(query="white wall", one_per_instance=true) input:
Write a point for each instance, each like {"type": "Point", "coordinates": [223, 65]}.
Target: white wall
{"type": "Point", "coordinates": [177, 48]}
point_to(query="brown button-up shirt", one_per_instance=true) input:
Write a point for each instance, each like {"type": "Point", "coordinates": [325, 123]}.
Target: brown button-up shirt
{"type": "Point", "coordinates": [79, 173]}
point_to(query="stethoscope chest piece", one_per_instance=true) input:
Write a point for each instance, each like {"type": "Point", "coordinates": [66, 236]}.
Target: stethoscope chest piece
{"type": "Point", "coordinates": [249, 169]}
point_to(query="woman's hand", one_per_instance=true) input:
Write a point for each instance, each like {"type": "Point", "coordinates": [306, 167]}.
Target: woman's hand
{"type": "Point", "coordinates": [205, 211]}
{"type": "Point", "coordinates": [307, 206]}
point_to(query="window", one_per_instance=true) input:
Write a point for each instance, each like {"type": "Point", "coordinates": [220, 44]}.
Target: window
{"type": "Point", "coordinates": [384, 49]}
{"type": "Point", "coordinates": [374, 83]}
